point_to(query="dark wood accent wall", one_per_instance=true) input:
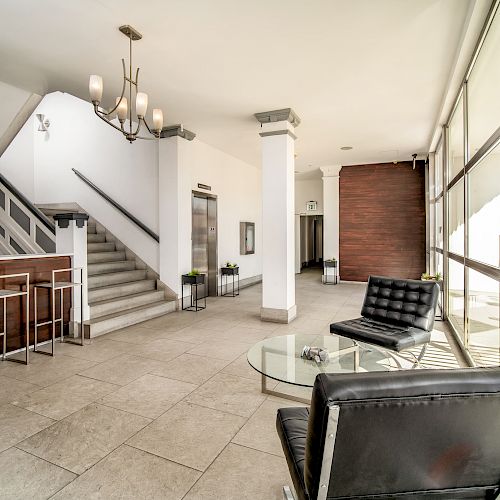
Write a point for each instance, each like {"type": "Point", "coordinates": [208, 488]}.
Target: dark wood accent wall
{"type": "Point", "coordinates": [382, 221]}
{"type": "Point", "coordinates": [40, 270]}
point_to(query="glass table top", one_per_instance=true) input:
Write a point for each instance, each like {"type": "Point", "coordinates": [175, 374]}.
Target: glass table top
{"type": "Point", "coordinates": [279, 358]}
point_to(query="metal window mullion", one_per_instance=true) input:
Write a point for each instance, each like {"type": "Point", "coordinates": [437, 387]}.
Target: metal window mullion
{"type": "Point", "coordinates": [446, 280]}
{"type": "Point", "coordinates": [465, 214]}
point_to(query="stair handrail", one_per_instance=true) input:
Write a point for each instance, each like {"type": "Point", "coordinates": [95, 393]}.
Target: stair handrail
{"type": "Point", "coordinates": [115, 204]}
{"type": "Point", "coordinates": [28, 205]}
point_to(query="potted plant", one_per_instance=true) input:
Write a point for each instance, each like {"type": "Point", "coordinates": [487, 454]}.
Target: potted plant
{"type": "Point", "coordinates": [438, 277]}
{"type": "Point", "coordinates": [193, 277]}
{"type": "Point", "coordinates": [230, 268]}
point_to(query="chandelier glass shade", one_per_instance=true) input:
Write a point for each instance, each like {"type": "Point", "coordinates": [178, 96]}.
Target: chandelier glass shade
{"type": "Point", "coordinates": [123, 106]}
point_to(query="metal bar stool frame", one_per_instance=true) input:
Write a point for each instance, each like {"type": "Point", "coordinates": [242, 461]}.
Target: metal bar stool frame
{"type": "Point", "coordinates": [53, 286]}
{"type": "Point", "coordinates": [4, 295]}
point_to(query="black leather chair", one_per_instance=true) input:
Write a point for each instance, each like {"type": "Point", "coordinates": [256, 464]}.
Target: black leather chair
{"type": "Point", "coordinates": [397, 314]}
{"type": "Point", "coordinates": [422, 434]}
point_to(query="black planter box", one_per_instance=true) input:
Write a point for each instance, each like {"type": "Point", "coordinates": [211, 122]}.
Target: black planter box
{"type": "Point", "coordinates": [329, 263]}
{"type": "Point", "coordinates": [230, 271]}
{"type": "Point", "coordinates": [198, 279]}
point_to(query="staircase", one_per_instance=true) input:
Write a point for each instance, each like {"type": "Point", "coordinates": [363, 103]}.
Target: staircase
{"type": "Point", "coordinates": [121, 292]}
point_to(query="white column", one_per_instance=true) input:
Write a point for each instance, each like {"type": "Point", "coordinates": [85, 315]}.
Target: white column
{"type": "Point", "coordinates": [173, 196]}
{"type": "Point", "coordinates": [71, 237]}
{"type": "Point", "coordinates": [278, 218]}
{"type": "Point", "coordinates": [331, 240]}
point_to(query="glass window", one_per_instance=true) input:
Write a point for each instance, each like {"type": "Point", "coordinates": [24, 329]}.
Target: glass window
{"type": "Point", "coordinates": [484, 323]}
{"type": "Point", "coordinates": [456, 226]}
{"type": "Point", "coordinates": [439, 223]}
{"type": "Point", "coordinates": [484, 210]}
{"type": "Point", "coordinates": [438, 169]}
{"type": "Point", "coordinates": [456, 296]}
{"type": "Point", "coordinates": [482, 87]}
{"type": "Point", "coordinates": [456, 142]}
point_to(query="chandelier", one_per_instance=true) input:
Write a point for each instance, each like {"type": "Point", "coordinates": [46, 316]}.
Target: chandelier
{"type": "Point", "coordinates": [123, 107]}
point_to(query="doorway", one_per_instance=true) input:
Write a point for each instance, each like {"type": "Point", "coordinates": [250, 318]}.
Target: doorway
{"type": "Point", "coordinates": [311, 241]}
{"type": "Point", "coordinates": [204, 240]}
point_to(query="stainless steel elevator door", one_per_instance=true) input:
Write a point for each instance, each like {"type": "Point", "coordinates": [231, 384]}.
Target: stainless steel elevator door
{"type": "Point", "coordinates": [204, 241]}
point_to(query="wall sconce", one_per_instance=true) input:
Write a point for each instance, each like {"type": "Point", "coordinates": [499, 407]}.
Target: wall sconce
{"type": "Point", "coordinates": [44, 123]}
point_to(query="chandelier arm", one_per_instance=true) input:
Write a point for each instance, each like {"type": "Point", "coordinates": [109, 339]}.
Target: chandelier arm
{"type": "Point", "coordinates": [106, 120]}
{"type": "Point", "coordinates": [123, 90]}
{"type": "Point", "coordinates": [139, 120]}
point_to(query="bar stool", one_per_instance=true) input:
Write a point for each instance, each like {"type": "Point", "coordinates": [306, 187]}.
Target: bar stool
{"type": "Point", "coordinates": [5, 294]}
{"type": "Point", "coordinates": [53, 286]}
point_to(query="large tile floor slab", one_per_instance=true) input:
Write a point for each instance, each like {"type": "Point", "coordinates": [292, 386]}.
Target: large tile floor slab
{"type": "Point", "coordinates": [17, 424]}
{"type": "Point", "coordinates": [12, 389]}
{"type": "Point", "coordinates": [259, 432]}
{"type": "Point", "coordinates": [131, 474]}
{"type": "Point", "coordinates": [228, 350]}
{"type": "Point", "coordinates": [191, 368]}
{"type": "Point", "coordinates": [180, 392]}
{"type": "Point", "coordinates": [45, 370]}
{"type": "Point", "coordinates": [61, 399]}
{"type": "Point", "coordinates": [85, 437]}
{"type": "Point", "coordinates": [24, 476]}
{"type": "Point", "coordinates": [122, 370]}
{"type": "Point", "coordinates": [229, 393]}
{"type": "Point", "coordinates": [240, 473]}
{"type": "Point", "coordinates": [149, 395]}
{"type": "Point", "coordinates": [189, 434]}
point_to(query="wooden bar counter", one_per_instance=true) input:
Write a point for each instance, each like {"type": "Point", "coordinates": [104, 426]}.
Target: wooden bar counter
{"type": "Point", "coordinates": [40, 269]}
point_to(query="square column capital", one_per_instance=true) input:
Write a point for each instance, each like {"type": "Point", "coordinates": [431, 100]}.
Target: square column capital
{"type": "Point", "coordinates": [331, 170]}
{"type": "Point", "coordinates": [279, 115]}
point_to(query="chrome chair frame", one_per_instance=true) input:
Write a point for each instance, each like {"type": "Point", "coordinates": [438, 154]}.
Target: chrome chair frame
{"type": "Point", "coordinates": [4, 295]}
{"type": "Point", "coordinates": [53, 286]}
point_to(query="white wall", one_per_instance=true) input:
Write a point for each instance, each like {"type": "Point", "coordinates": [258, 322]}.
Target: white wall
{"type": "Point", "coordinates": [238, 188]}
{"type": "Point", "coordinates": [18, 167]}
{"type": "Point", "coordinates": [78, 139]}
{"type": "Point", "coordinates": [40, 163]}
{"type": "Point", "coordinates": [308, 190]}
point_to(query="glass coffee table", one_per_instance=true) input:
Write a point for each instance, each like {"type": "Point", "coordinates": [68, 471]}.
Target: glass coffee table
{"type": "Point", "coordinates": [279, 358]}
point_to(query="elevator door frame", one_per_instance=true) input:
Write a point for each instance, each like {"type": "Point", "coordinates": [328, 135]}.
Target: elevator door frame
{"type": "Point", "coordinates": [211, 285]}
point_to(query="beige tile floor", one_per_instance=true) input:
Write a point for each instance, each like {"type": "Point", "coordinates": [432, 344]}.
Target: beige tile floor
{"type": "Point", "coordinates": [169, 409]}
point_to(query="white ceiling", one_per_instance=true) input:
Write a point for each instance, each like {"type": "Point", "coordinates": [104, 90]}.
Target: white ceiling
{"type": "Point", "coordinates": [364, 73]}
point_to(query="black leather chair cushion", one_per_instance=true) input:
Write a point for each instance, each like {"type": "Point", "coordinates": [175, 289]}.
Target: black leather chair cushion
{"type": "Point", "coordinates": [430, 433]}
{"type": "Point", "coordinates": [401, 302]}
{"type": "Point", "coordinates": [291, 424]}
{"type": "Point", "coordinates": [389, 336]}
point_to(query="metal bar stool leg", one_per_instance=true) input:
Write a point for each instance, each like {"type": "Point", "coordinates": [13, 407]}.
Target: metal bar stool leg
{"type": "Point", "coordinates": [4, 328]}
{"type": "Point", "coordinates": [35, 340]}
{"type": "Point", "coordinates": [62, 315]}
{"type": "Point", "coordinates": [27, 318]}
{"type": "Point", "coordinates": [53, 294]}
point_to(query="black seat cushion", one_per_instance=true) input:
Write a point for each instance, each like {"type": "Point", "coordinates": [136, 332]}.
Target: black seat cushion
{"type": "Point", "coordinates": [396, 338]}
{"type": "Point", "coordinates": [291, 424]}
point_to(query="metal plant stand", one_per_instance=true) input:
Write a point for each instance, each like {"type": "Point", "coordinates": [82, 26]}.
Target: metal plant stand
{"type": "Point", "coordinates": [53, 286]}
{"type": "Point", "coordinates": [328, 264]}
{"type": "Point", "coordinates": [230, 271]}
{"type": "Point", "coordinates": [4, 295]}
{"type": "Point", "coordinates": [194, 282]}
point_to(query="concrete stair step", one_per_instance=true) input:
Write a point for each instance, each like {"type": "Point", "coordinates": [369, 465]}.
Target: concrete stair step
{"type": "Point", "coordinates": [96, 237]}
{"type": "Point", "coordinates": [103, 280]}
{"type": "Point", "coordinates": [98, 257]}
{"type": "Point", "coordinates": [121, 290]}
{"type": "Point", "coordinates": [110, 267]}
{"type": "Point", "coordinates": [121, 304]}
{"type": "Point", "coordinates": [91, 229]}
{"type": "Point", "coordinates": [101, 246]}
{"type": "Point", "coordinates": [104, 324]}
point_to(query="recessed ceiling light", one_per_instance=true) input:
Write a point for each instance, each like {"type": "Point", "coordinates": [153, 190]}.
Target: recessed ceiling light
{"type": "Point", "coordinates": [346, 148]}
